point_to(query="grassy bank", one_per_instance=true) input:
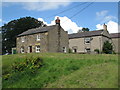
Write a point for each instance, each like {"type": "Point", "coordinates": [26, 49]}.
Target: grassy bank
{"type": "Point", "coordinates": [60, 70]}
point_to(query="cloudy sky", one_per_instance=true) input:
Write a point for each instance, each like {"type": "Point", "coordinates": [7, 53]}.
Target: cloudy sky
{"type": "Point", "coordinates": [73, 15]}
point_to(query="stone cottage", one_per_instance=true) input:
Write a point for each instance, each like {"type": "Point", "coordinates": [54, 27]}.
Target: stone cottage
{"type": "Point", "coordinates": [43, 39]}
{"type": "Point", "coordinates": [87, 42]}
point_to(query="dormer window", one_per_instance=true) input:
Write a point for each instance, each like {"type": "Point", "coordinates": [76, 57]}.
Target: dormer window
{"type": "Point", "coordinates": [22, 39]}
{"type": "Point", "coordinates": [38, 37]}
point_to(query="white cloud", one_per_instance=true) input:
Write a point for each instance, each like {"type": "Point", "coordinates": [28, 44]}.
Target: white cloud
{"type": "Point", "coordinates": [111, 26]}
{"type": "Point", "coordinates": [66, 23]}
{"type": "Point", "coordinates": [103, 16]}
{"type": "Point", "coordinates": [40, 19]}
{"type": "Point", "coordinates": [102, 13]}
{"type": "Point", "coordinates": [99, 26]}
{"type": "Point", "coordinates": [41, 6]}
{"type": "Point", "coordinates": [108, 18]}
{"type": "Point", "coordinates": [0, 20]}
{"type": "Point", "coordinates": [37, 5]}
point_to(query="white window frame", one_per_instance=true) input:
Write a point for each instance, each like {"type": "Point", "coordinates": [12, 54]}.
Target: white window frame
{"type": "Point", "coordinates": [87, 40]}
{"type": "Point", "coordinates": [38, 37]}
{"type": "Point", "coordinates": [88, 50]}
{"type": "Point", "coordinates": [22, 50]}
{"type": "Point", "coordinates": [23, 39]}
{"type": "Point", "coordinates": [37, 49]}
{"type": "Point", "coordinates": [64, 49]}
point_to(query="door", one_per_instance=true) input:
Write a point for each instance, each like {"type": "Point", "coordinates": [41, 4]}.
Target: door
{"type": "Point", "coordinates": [75, 50]}
{"type": "Point", "coordinates": [30, 49]}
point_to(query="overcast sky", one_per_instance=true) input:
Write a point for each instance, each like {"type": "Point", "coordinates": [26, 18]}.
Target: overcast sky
{"type": "Point", "coordinates": [92, 17]}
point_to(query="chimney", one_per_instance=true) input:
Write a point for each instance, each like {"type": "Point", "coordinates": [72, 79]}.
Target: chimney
{"type": "Point", "coordinates": [105, 27]}
{"type": "Point", "coordinates": [57, 21]}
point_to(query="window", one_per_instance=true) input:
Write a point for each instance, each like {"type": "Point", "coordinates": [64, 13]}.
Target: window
{"type": "Point", "coordinates": [22, 39]}
{"type": "Point", "coordinates": [37, 49]}
{"type": "Point", "coordinates": [64, 49]}
{"type": "Point", "coordinates": [22, 50]}
{"type": "Point", "coordinates": [38, 37]}
{"type": "Point", "coordinates": [87, 50]}
{"type": "Point", "coordinates": [87, 40]}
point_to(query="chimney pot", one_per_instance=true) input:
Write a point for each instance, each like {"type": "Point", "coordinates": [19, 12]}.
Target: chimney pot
{"type": "Point", "coordinates": [57, 21]}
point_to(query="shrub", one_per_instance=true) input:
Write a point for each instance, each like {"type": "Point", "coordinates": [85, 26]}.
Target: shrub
{"type": "Point", "coordinates": [70, 51]}
{"type": "Point", "coordinates": [97, 51]}
{"type": "Point", "coordinates": [30, 64]}
{"type": "Point", "coordinates": [107, 47]}
{"type": "Point", "coordinates": [6, 77]}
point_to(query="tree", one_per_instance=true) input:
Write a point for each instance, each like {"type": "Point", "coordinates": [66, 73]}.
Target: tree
{"type": "Point", "coordinates": [107, 47]}
{"type": "Point", "coordinates": [85, 29]}
{"type": "Point", "coordinates": [15, 27]}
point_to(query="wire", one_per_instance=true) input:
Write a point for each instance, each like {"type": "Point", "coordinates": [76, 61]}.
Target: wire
{"type": "Point", "coordinates": [79, 11]}
{"type": "Point", "coordinates": [68, 9]}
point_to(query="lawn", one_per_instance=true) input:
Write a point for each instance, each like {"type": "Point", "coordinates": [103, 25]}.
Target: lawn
{"type": "Point", "coordinates": [59, 70]}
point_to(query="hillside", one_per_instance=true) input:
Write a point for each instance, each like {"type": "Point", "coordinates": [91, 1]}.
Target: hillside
{"type": "Point", "coordinates": [58, 70]}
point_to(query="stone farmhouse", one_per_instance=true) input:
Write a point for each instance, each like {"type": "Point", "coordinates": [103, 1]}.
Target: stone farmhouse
{"type": "Point", "coordinates": [87, 42]}
{"type": "Point", "coordinates": [43, 39]}
{"type": "Point", "coordinates": [55, 39]}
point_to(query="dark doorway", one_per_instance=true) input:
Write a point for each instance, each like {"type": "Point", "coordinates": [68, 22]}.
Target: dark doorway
{"type": "Point", "coordinates": [75, 50]}
{"type": "Point", "coordinates": [30, 48]}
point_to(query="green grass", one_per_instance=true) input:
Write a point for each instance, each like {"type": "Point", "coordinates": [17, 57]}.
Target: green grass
{"type": "Point", "coordinates": [61, 70]}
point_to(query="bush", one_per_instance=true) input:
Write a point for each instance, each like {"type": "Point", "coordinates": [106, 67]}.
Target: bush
{"type": "Point", "coordinates": [107, 47]}
{"type": "Point", "coordinates": [30, 65]}
{"type": "Point", "coordinates": [70, 50]}
{"type": "Point", "coordinates": [97, 51]}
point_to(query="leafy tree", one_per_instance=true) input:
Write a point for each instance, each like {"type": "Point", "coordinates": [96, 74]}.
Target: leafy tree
{"type": "Point", "coordinates": [107, 47]}
{"type": "Point", "coordinates": [85, 29]}
{"type": "Point", "coordinates": [15, 27]}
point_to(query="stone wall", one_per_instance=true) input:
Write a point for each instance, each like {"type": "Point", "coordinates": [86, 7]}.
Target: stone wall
{"type": "Point", "coordinates": [116, 44]}
{"type": "Point", "coordinates": [64, 41]}
{"type": "Point", "coordinates": [96, 43]}
{"type": "Point", "coordinates": [56, 42]}
{"type": "Point", "coordinates": [31, 40]}
{"type": "Point", "coordinates": [53, 40]}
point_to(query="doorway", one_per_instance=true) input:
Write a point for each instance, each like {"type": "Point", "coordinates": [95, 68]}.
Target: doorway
{"type": "Point", "coordinates": [75, 50]}
{"type": "Point", "coordinates": [30, 49]}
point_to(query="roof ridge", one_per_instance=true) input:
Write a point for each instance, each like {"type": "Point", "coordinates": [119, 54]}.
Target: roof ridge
{"type": "Point", "coordinates": [87, 31]}
{"type": "Point", "coordinates": [36, 30]}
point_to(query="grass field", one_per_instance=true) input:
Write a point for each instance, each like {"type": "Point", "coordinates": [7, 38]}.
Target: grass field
{"type": "Point", "coordinates": [59, 70]}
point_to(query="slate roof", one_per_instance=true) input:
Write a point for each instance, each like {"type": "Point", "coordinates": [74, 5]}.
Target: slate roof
{"type": "Point", "coordinates": [115, 35]}
{"type": "Point", "coordinates": [37, 30]}
{"type": "Point", "coordinates": [85, 34]}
